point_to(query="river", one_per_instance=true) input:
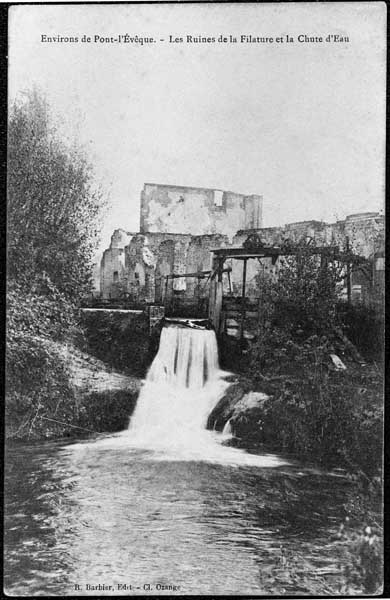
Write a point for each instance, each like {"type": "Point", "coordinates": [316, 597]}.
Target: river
{"type": "Point", "coordinates": [98, 513]}
{"type": "Point", "coordinates": [167, 507]}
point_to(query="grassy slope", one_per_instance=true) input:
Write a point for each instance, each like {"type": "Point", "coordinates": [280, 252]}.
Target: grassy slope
{"type": "Point", "coordinates": [91, 397]}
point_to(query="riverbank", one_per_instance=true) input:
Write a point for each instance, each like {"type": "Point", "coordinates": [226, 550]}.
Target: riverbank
{"type": "Point", "coordinates": [82, 396]}
{"type": "Point", "coordinates": [276, 414]}
{"type": "Point", "coordinates": [286, 412]}
{"type": "Point", "coordinates": [333, 417]}
{"type": "Point", "coordinates": [93, 398]}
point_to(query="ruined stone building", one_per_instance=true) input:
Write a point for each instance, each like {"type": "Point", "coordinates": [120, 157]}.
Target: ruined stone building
{"type": "Point", "coordinates": [112, 265]}
{"type": "Point", "coordinates": [179, 226]}
{"type": "Point", "coordinates": [197, 211]}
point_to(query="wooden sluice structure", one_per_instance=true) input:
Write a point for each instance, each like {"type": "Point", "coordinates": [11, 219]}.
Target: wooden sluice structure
{"type": "Point", "coordinates": [238, 315]}
{"type": "Point", "coordinates": [199, 305]}
{"type": "Point", "coordinates": [224, 311]}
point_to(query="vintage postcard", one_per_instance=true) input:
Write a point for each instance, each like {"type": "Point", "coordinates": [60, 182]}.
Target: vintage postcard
{"type": "Point", "coordinates": [195, 293]}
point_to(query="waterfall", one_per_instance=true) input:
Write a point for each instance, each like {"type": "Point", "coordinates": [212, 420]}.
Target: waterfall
{"type": "Point", "coordinates": [227, 430]}
{"type": "Point", "coordinates": [182, 386]}
{"type": "Point", "coordinates": [186, 358]}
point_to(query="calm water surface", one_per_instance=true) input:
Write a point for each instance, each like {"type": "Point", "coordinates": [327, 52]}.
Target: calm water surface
{"type": "Point", "coordinates": [97, 512]}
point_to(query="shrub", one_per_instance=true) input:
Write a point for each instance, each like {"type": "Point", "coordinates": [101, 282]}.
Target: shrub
{"type": "Point", "coordinates": [38, 387]}
{"type": "Point", "coordinates": [364, 327]}
{"type": "Point", "coordinates": [54, 206]}
{"type": "Point", "coordinates": [120, 340]}
{"type": "Point", "coordinates": [315, 410]}
{"type": "Point", "coordinates": [363, 567]}
{"type": "Point", "coordinates": [53, 222]}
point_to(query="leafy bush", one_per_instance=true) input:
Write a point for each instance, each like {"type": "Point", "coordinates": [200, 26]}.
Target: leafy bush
{"type": "Point", "coordinates": [53, 203]}
{"type": "Point", "coordinates": [315, 409]}
{"type": "Point", "coordinates": [53, 218]}
{"type": "Point", "coordinates": [41, 311]}
{"type": "Point", "coordinates": [364, 566]}
{"type": "Point", "coordinates": [302, 299]}
{"type": "Point", "coordinates": [357, 568]}
{"type": "Point", "coordinates": [364, 327]}
{"type": "Point", "coordinates": [37, 386]}
{"type": "Point", "coordinates": [120, 340]}
{"type": "Point", "coordinates": [108, 410]}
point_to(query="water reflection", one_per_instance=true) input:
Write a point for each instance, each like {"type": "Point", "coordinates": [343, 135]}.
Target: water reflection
{"type": "Point", "coordinates": [91, 513]}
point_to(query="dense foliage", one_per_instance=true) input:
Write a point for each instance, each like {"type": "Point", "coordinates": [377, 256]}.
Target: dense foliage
{"type": "Point", "coordinates": [364, 327]}
{"type": "Point", "coordinates": [53, 204]}
{"type": "Point", "coordinates": [53, 211]}
{"type": "Point", "coordinates": [302, 298]}
{"type": "Point", "coordinates": [318, 410]}
{"type": "Point", "coordinates": [314, 409]}
{"type": "Point", "coordinates": [120, 340]}
{"type": "Point", "coordinates": [357, 569]}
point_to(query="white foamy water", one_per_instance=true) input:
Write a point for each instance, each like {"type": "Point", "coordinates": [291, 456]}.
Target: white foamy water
{"type": "Point", "coordinates": [183, 385]}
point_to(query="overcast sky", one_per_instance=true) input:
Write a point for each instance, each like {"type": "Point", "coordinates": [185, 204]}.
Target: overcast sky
{"type": "Point", "coordinates": [302, 124]}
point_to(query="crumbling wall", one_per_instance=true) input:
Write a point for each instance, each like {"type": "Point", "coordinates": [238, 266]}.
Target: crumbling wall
{"type": "Point", "coordinates": [164, 267]}
{"type": "Point", "coordinates": [140, 263]}
{"type": "Point", "coordinates": [363, 233]}
{"type": "Point", "coordinates": [112, 265]}
{"type": "Point", "coordinates": [197, 211]}
{"type": "Point", "coordinates": [199, 258]}
{"type": "Point", "coordinates": [149, 257]}
{"type": "Point", "coordinates": [366, 233]}
{"type": "Point", "coordinates": [144, 262]}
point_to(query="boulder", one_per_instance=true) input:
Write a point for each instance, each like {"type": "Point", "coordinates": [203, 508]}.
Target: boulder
{"type": "Point", "coordinates": [239, 404]}
{"type": "Point", "coordinates": [247, 417]}
{"type": "Point", "coordinates": [251, 400]}
{"type": "Point", "coordinates": [223, 410]}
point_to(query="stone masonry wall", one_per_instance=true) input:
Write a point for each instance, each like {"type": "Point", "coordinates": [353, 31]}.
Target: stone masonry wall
{"type": "Point", "coordinates": [197, 211]}
{"type": "Point", "coordinates": [147, 258]}
{"type": "Point", "coordinates": [112, 266]}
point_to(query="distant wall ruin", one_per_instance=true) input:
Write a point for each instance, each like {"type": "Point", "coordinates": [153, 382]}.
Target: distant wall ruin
{"type": "Point", "coordinates": [197, 211]}
{"type": "Point", "coordinates": [135, 265]}
{"type": "Point", "coordinates": [112, 266]}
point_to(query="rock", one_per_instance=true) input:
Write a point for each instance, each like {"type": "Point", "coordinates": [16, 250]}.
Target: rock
{"type": "Point", "coordinates": [338, 363]}
{"type": "Point", "coordinates": [223, 410]}
{"type": "Point", "coordinates": [247, 418]}
{"type": "Point", "coordinates": [239, 404]}
{"type": "Point", "coordinates": [248, 402]}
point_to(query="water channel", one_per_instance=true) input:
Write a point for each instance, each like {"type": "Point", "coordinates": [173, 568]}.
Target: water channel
{"type": "Point", "coordinates": [166, 507]}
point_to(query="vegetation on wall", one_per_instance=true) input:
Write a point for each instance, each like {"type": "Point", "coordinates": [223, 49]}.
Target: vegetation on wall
{"type": "Point", "coordinates": [120, 340]}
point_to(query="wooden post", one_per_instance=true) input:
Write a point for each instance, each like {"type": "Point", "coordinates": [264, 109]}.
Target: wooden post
{"type": "Point", "coordinates": [198, 295]}
{"type": "Point", "coordinates": [349, 283]}
{"type": "Point", "coordinates": [166, 293]}
{"type": "Point", "coordinates": [218, 296]}
{"type": "Point", "coordinates": [230, 283]}
{"type": "Point", "coordinates": [261, 315]}
{"type": "Point", "coordinates": [243, 298]}
{"type": "Point", "coordinates": [213, 294]}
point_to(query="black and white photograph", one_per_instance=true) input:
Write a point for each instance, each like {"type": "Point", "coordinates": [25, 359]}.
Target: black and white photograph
{"type": "Point", "coordinates": [195, 293]}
